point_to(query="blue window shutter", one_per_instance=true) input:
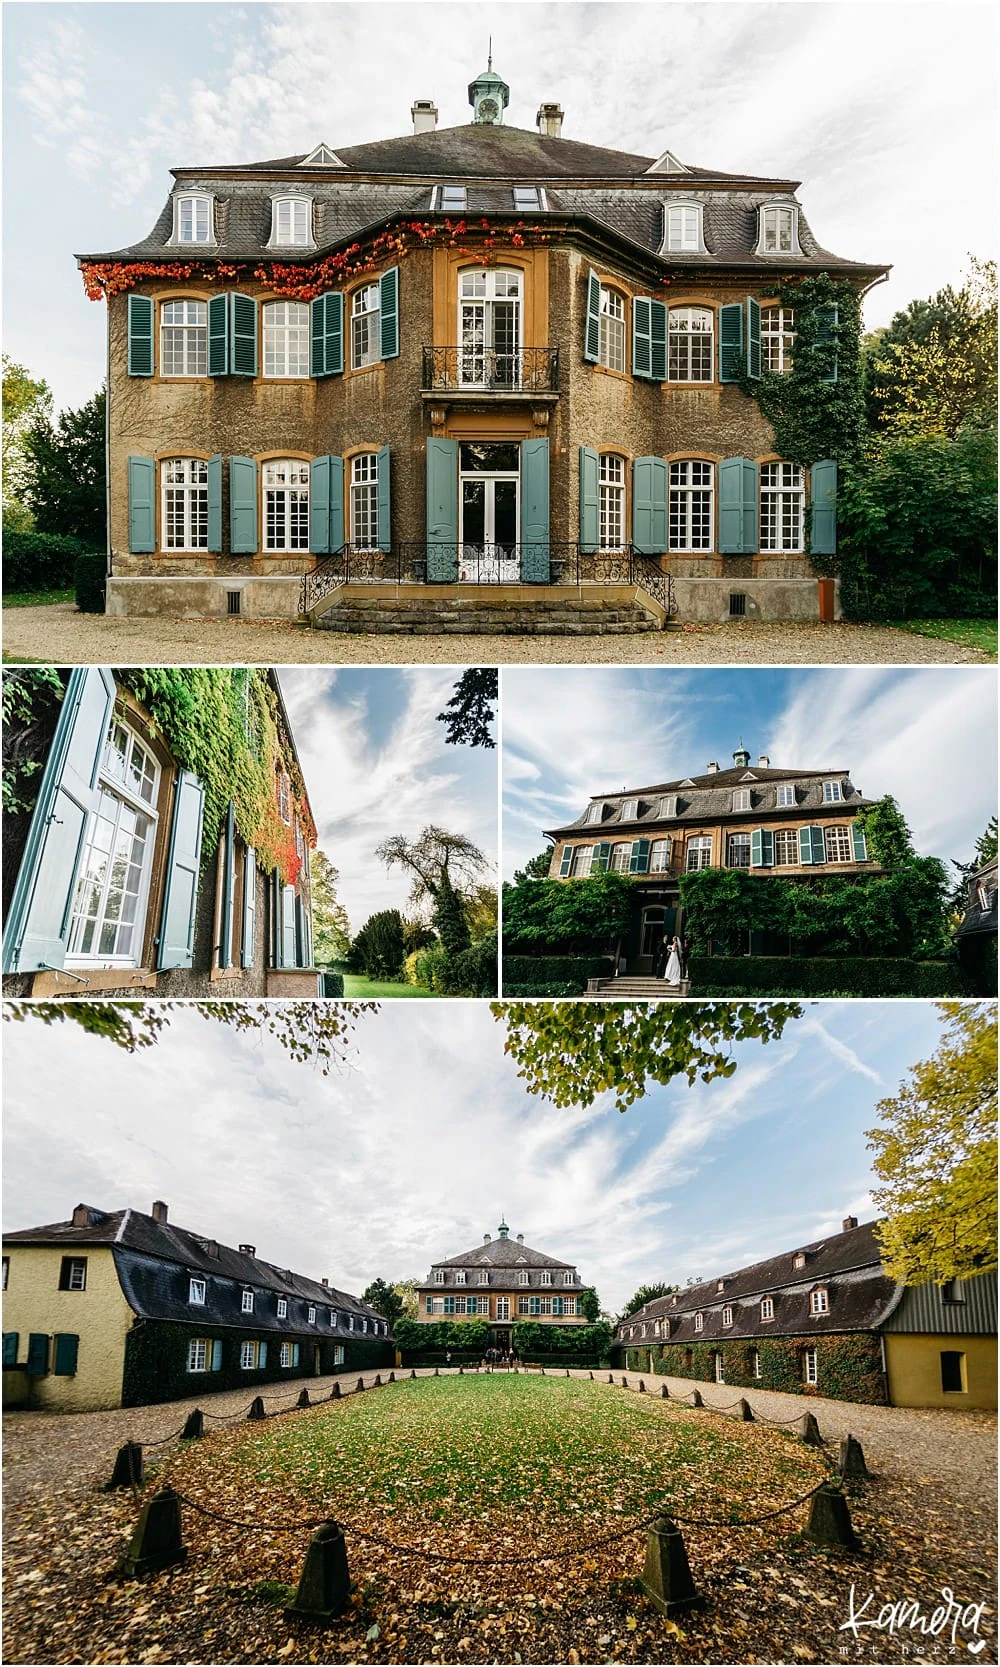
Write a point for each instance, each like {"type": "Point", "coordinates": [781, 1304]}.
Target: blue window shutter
{"type": "Point", "coordinates": [216, 1355]}
{"type": "Point", "coordinates": [823, 494]}
{"type": "Point", "coordinates": [755, 848]}
{"type": "Point", "coordinates": [275, 922]}
{"type": "Point", "coordinates": [602, 856]}
{"type": "Point", "coordinates": [642, 343]}
{"type": "Point", "coordinates": [242, 506]}
{"type": "Point", "coordinates": [859, 843]}
{"type": "Point", "coordinates": [326, 315]}
{"type": "Point", "coordinates": [261, 1354]}
{"type": "Point", "coordinates": [751, 494]}
{"type": "Point", "coordinates": [180, 896]}
{"type": "Point", "coordinates": [37, 930]}
{"type": "Point", "coordinates": [730, 341]}
{"type": "Point", "coordinates": [388, 286]}
{"type": "Point", "coordinates": [567, 862]}
{"type": "Point", "coordinates": [319, 506]}
{"type": "Point", "coordinates": [535, 511]}
{"type": "Point", "coordinates": [67, 1347]}
{"type": "Point", "coordinates": [753, 338]}
{"type": "Point", "coordinates": [731, 506]}
{"type": "Point", "coordinates": [140, 335]}
{"type": "Point", "coordinates": [242, 335]}
{"type": "Point", "coordinates": [649, 505]}
{"type": "Point", "coordinates": [248, 946]}
{"type": "Point", "coordinates": [818, 845]}
{"type": "Point", "coordinates": [215, 503]}
{"type": "Point", "coordinates": [383, 501]}
{"type": "Point", "coordinates": [338, 534]}
{"type": "Point", "coordinates": [288, 927]}
{"type": "Point", "coordinates": [11, 1340]}
{"type": "Point", "coordinates": [442, 510]}
{"type": "Point", "coordinates": [218, 335]}
{"type": "Point", "coordinates": [228, 888]}
{"type": "Point", "coordinates": [827, 319]}
{"type": "Point", "coordinates": [658, 340]}
{"type": "Point", "coordinates": [38, 1354]}
{"type": "Point", "coordinates": [590, 500]}
{"type": "Point", "coordinates": [592, 331]}
{"type": "Point", "coordinates": [141, 505]}
{"type": "Point", "coordinates": [638, 862]}
{"type": "Point", "coordinates": [805, 846]}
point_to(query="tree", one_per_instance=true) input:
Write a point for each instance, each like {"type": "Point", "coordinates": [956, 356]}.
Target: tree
{"type": "Point", "coordinates": [386, 1300]}
{"type": "Point", "coordinates": [406, 1290]}
{"type": "Point", "coordinates": [65, 473]}
{"type": "Point", "coordinates": [536, 868]}
{"type": "Point", "coordinates": [482, 907]}
{"type": "Point", "coordinates": [936, 1155]}
{"type": "Point", "coordinates": [571, 1052]}
{"type": "Point", "coordinates": [571, 917]}
{"type": "Point", "coordinates": [309, 1030]}
{"type": "Point", "coordinates": [435, 853]}
{"type": "Point", "coordinates": [589, 1304]}
{"type": "Point", "coordinates": [469, 713]}
{"type": "Point", "coordinates": [377, 949]}
{"type": "Point", "coordinates": [449, 920]}
{"type": "Point", "coordinates": [25, 402]}
{"type": "Point", "coordinates": [933, 369]}
{"type": "Point", "coordinates": [984, 851]}
{"type": "Point", "coordinates": [645, 1293]}
{"type": "Point", "coordinates": [331, 927]}
{"type": "Point", "coordinates": [417, 934]}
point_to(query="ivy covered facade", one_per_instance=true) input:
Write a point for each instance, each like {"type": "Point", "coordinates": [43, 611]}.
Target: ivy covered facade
{"type": "Point", "coordinates": [157, 836]}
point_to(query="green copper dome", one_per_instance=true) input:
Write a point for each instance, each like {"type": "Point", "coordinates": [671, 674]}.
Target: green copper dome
{"type": "Point", "coordinates": [489, 96]}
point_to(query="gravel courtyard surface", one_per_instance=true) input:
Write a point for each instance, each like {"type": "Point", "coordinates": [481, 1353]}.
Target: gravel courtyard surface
{"type": "Point", "coordinates": [926, 1520]}
{"type": "Point", "coordinates": [60, 636]}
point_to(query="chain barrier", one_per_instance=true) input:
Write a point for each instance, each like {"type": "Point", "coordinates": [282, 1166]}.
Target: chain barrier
{"type": "Point", "coordinates": [162, 1442]}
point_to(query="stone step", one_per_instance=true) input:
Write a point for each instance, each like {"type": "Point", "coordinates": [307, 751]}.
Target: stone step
{"type": "Point", "coordinates": [426, 610]}
{"type": "Point", "coordinates": [648, 989]}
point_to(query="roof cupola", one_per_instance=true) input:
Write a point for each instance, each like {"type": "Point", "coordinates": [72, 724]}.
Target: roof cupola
{"type": "Point", "coordinates": [503, 1230]}
{"type": "Point", "coordinates": [489, 96]}
{"type": "Point", "coordinates": [741, 758]}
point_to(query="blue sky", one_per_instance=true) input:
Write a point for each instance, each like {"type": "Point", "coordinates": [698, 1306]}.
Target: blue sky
{"type": "Point", "coordinates": [418, 1146]}
{"type": "Point", "coordinates": [926, 735]}
{"type": "Point", "coordinates": [376, 763]}
{"type": "Point", "coordinates": [886, 114]}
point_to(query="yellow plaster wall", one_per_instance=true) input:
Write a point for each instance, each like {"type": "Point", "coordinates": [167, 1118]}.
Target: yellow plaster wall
{"type": "Point", "coordinates": [913, 1361]}
{"type": "Point", "coordinates": [99, 1316]}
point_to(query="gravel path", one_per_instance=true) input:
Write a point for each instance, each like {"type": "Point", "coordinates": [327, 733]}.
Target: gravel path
{"type": "Point", "coordinates": [60, 636]}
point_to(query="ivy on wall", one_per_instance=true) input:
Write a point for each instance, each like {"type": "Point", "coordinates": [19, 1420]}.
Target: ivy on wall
{"type": "Point", "coordinates": [32, 697]}
{"type": "Point", "coordinates": [848, 1365]}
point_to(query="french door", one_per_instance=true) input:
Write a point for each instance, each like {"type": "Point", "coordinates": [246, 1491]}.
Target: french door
{"type": "Point", "coordinates": [489, 512]}
{"type": "Point", "coordinates": [489, 326]}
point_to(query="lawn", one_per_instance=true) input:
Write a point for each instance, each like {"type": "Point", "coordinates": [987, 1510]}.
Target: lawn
{"type": "Point", "coordinates": [357, 988]}
{"type": "Point", "coordinates": [980, 634]}
{"type": "Point", "coordinates": [36, 598]}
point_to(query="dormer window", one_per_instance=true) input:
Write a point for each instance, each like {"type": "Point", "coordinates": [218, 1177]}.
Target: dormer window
{"type": "Point", "coordinates": [568, 1277]}
{"type": "Point", "coordinates": [452, 199]}
{"type": "Point", "coordinates": [720, 1284]}
{"type": "Point", "coordinates": [682, 229]}
{"type": "Point", "coordinates": [630, 810]}
{"type": "Point", "coordinates": [484, 1277]}
{"type": "Point", "coordinates": [193, 218]}
{"type": "Point", "coordinates": [460, 1276]}
{"type": "Point", "coordinates": [832, 794]}
{"type": "Point", "coordinates": [786, 795]}
{"type": "Point", "coordinates": [439, 1276]}
{"type": "Point", "coordinates": [546, 1278]}
{"type": "Point", "coordinates": [196, 1292]}
{"type": "Point", "coordinates": [282, 1308]}
{"type": "Point", "coordinates": [291, 222]}
{"type": "Point", "coordinates": [522, 1278]}
{"type": "Point", "coordinates": [668, 805]}
{"type": "Point", "coordinates": [699, 1322]}
{"type": "Point", "coordinates": [819, 1301]}
{"type": "Point", "coordinates": [673, 1300]}
{"type": "Point", "coordinates": [595, 813]}
{"type": "Point", "coordinates": [247, 1303]}
{"type": "Point", "coordinates": [527, 197]}
{"type": "Point", "coordinates": [727, 1315]}
{"type": "Point", "coordinates": [741, 798]}
{"type": "Point", "coordinates": [799, 1260]}
{"type": "Point", "coordinates": [779, 232]}
{"type": "Point", "coordinates": [767, 1308]}
{"type": "Point", "coordinates": [310, 1315]}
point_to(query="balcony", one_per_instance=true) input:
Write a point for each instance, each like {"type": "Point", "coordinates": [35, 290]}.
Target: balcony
{"type": "Point", "coordinates": [470, 372]}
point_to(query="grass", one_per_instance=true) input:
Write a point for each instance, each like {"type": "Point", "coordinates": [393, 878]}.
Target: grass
{"type": "Point", "coordinates": [980, 634]}
{"type": "Point", "coordinates": [36, 598]}
{"type": "Point", "coordinates": [357, 988]}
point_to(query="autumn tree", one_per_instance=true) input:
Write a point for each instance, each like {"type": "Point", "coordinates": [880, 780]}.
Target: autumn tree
{"type": "Point", "coordinates": [317, 1032]}
{"type": "Point", "coordinates": [936, 1156]}
{"type": "Point", "coordinates": [25, 402]}
{"type": "Point", "coordinates": [645, 1293]}
{"type": "Point", "coordinates": [331, 927]}
{"type": "Point", "coordinates": [933, 369]}
{"type": "Point", "coordinates": [469, 714]}
{"type": "Point", "coordinates": [385, 1299]}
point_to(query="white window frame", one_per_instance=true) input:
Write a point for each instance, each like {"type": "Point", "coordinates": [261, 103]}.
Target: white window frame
{"type": "Point", "coordinates": [364, 501]}
{"type": "Point", "coordinates": [545, 1277]}
{"type": "Point", "coordinates": [438, 1276]}
{"type": "Point", "coordinates": [741, 798]}
{"type": "Point", "coordinates": [720, 1370]}
{"type": "Point", "coordinates": [117, 799]}
{"type": "Point", "coordinates": [460, 199]}
{"type": "Point", "coordinates": [366, 326]}
{"type": "Point", "coordinates": [692, 505]}
{"type": "Point", "coordinates": [810, 1364]}
{"type": "Point", "coordinates": [691, 345]}
{"type": "Point", "coordinates": [613, 330]}
{"type": "Point", "coordinates": [523, 1277]}
{"type": "Point", "coordinates": [583, 857]}
{"type": "Point", "coordinates": [249, 1355]}
{"type": "Point", "coordinates": [291, 223]}
{"type": "Point", "coordinates": [460, 1276]}
{"type": "Point", "coordinates": [837, 843]}
{"type": "Point", "coordinates": [832, 793]}
{"type": "Point", "coordinates": [786, 848]}
{"type": "Point", "coordinates": [187, 344]}
{"type": "Point", "coordinates": [819, 1301]}
{"type": "Point", "coordinates": [799, 1260]}
{"type": "Point", "coordinates": [683, 229]}
{"type": "Point", "coordinates": [785, 795]}
{"type": "Point", "coordinates": [310, 1315]}
{"type": "Point", "coordinates": [285, 1355]}
{"type": "Point", "coordinates": [488, 298]}
{"type": "Point", "coordinates": [197, 208]}
{"type": "Point", "coordinates": [285, 488]}
{"type": "Point", "coordinates": [246, 1302]}
{"type": "Point", "coordinates": [755, 1370]}
{"type": "Point", "coordinates": [699, 1322]}
{"type": "Point", "coordinates": [338, 1354]}
{"type": "Point", "coordinates": [484, 1276]}
{"type": "Point", "coordinates": [183, 504]}
{"type": "Point", "coordinates": [535, 194]}
{"type": "Point", "coordinates": [699, 847]}
{"type": "Point", "coordinates": [782, 508]}
{"type": "Point", "coordinates": [777, 338]}
{"type": "Point", "coordinates": [659, 856]}
{"type": "Point", "coordinates": [282, 1308]}
{"type": "Point", "coordinates": [569, 1277]}
{"type": "Point", "coordinates": [595, 813]}
{"type": "Point", "coordinates": [196, 1293]}
{"type": "Point", "coordinates": [611, 502]}
{"type": "Point", "coordinates": [727, 1315]}
{"type": "Point", "coordinates": [668, 805]}
{"type": "Point", "coordinates": [286, 336]}
{"type": "Point", "coordinates": [778, 232]}
{"type": "Point", "coordinates": [767, 1308]}
{"type": "Point", "coordinates": [629, 810]}
{"type": "Point", "coordinates": [198, 1354]}
{"type": "Point", "coordinates": [740, 842]}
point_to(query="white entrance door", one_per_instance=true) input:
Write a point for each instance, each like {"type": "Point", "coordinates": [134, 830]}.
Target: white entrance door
{"type": "Point", "coordinates": [489, 500]}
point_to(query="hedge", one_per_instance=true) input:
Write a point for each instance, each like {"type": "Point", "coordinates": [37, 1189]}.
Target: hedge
{"type": "Point", "coordinates": [333, 984]}
{"type": "Point", "coordinates": [538, 974]}
{"type": "Point", "coordinates": [42, 561]}
{"type": "Point", "coordinates": [843, 975]}
{"type": "Point", "coordinates": [89, 577]}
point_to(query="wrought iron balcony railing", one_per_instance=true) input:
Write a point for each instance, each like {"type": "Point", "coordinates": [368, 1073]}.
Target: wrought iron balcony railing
{"type": "Point", "coordinates": [472, 369]}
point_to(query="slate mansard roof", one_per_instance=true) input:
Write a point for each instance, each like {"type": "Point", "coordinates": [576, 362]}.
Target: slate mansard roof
{"type": "Point", "coordinates": [848, 1264]}
{"type": "Point", "coordinates": [156, 1260]}
{"type": "Point", "coordinates": [501, 1254]}
{"type": "Point", "coordinates": [615, 192]}
{"type": "Point", "coordinates": [709, 798]}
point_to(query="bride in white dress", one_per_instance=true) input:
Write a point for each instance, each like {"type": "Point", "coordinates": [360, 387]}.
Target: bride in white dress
{"type": "Point", "coordinates": [672, 974]}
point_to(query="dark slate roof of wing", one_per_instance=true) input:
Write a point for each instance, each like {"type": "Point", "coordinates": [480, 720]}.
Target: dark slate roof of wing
{"type": "Point", "coordinates": [711, 796]}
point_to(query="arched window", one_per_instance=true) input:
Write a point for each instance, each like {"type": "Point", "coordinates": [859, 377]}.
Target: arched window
{"type": "Point", "coordinates": [364, 501]}
{"type": "Point", "coordinates": [183, 338]}
{"type": "Point", "coordinates": [611, 351]}
{"type": "Point", "coordinates": [612, 502]}
{"type": "Point", "coordinates": [286, 338]}
{"type": "Point", "coordinates": [109, 904]}
{"type": "Point", "coordinates": [692, 516]}
{"type": "Point", "coordinates": [286, 505]}
{"type": "Point", "coordinates": [659, 856]}
{"type": "Point", "coordinates": [777, 337]}
{"type": "Point", "coordinates": [778, 229]}
{"type": "Point", "coordinates": [193, 217]}
{"type": "Point", "coordinates": [682, 228]}
{"type": "Point", "coordinates": [291, 222]}
{"type": "Point", "coordinates": [690, 336]}
{"type": "Point", "coordinates": [489, 327]}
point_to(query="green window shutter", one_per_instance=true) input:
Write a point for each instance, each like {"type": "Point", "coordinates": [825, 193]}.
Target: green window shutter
{"type": "Point", "coordinates": [261, 1355]}
{"type": "Point", "coordinates": [567, 862]}
{"type": "Point", "coordinates": [592, 332]}
{"type": "Point", "coordinates": [326, 316]}
{"type": "Point", "coordinates": [755, 847]}
{"type": "Point", "coordinates": [535, 511]}
{"type": "Point", "coordinates": [228, 887]}
{"type": "Point", "coordinates": [642, 339]}
{"type": "Point", "coordinates": [859, 843]}
{"type": "Point", "coordinates": [442, 510]}
{"type": "Point", "coordinates": [384, 502]}
{"type": "Point", "coordinates": [242, 506]}
{"type": "Point", "coordinates": [38, 1354]}
{"type": "Point", "coordinates": [216, 1365]}
{"type": "Point", "coordinates": [827, 320]}
{"type": "Point", "coordinates": [141, 505]}
{"type": "Point", "coordinates": [590, 499]}
{"type": "Point", "coordinates": [751, 495]}
{"type": "Point", "coordinates": [766, 848]}
{"type": "Point", "coordinates": [67, 1347]}
{"type": "Point", "coordinates": [805, 846]}
{"type": "Point", "coordinates": [319, 506]}
{"type": "Point", "coordinates": [753, 338]}
{"type": "Point", "coordinates": [242, 335]}
{"type": "Point", "coordinates": [823, 495]}
{"type": "Point", "coordinates": [180, 896]}
{"type": "Point", "coordinates": [248, 946]}
{"type": "Point", "coordinates": [388, 286]}
{"type": "Point", "coordinates": [730, 341]}
{"type": "Point", "coordinates": [38, 921]}
{"type": "Point", "coordinates": [215, 503]}
{"type": "Point", "coordinates": [288, 927]}
{"type": "Point", "coordinates": [731, 506]}
{"type": "Point", "coordinates": [218, 335]}
{"type": "Point", "coordinates": [338, 533]}
{"type": "Point", "coordinates": [649, 505]}
{"type": "Point", "coordinates": [638, 862]}
{"type": "Point", "coordinates": [10, 1347]}
{"type": "Point", "coordinates": [818, 845]}
{"type": "Point", "coordinates": [602, 857]}
{"type": "Point", "coordinates": [658, 337]}
{"type": "Point", "coordinates": [140, 335]}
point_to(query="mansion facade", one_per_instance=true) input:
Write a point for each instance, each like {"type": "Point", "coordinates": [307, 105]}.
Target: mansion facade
{"type": "Point", "coordinates": [503, 1280]}
{"type": "Point", "coordinates": [481, 356]}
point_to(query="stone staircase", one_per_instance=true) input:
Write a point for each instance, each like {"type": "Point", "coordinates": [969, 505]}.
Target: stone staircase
{"type": "Point", "coordinates": [490, 610]}
{"type": "Point", "coordinates": [628, 987]}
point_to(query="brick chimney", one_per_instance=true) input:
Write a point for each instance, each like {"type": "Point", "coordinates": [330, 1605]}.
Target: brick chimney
{"type": "Point", "coordinates": [159, 1211]}
{"type": "Point", "coordinates": [325, 1283]}
{"type": "Point", "coordinates": [248, 1249]}
{"type": "Point", "coordinates": [848, 1223]}
{"type": "Point", "coordinates": [763, 762]}
{"type": "Point", "coordinates": [549, 121]}
{"type": "Point", "coordinates": [425, 115]}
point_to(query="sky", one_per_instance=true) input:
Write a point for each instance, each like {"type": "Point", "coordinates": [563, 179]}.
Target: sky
{"type": "Point", "coordinates": [427, 1138]}
{"type": "Point", "coordinates": [376, 763]}
{"type": "Point", "coordinates": [927, 735]}
{"type": "Point", "coordinates": [885, 112]}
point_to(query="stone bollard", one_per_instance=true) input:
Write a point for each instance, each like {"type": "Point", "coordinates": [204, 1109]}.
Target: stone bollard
{"type": "Point", "coordinates": [128, 1468]}
{"type": "Point", "coordinates": [361, 1385]}
{"type": "Point", "coordinates": [324, 1588]}
{"type": "Point", "coordinates": [256, 1412]}
{"type": "Point", "coordinates": [611, 1377]}
{"type": "Point", "coordinates": [664, 1392]}
{"type": "Point", "coordinates": [696, 1400]}
{"type": "Point", "coordinates": [303, 1400]}
{"type": "Point", "coordinates": [642, 1386]}
{"type": "Point", "coordinates": [461, 1371]}
{"type": "Point", "coordinates": [194, 1429]}
{"type": "Point", "coordinates": [567, 1371]}
{"type": "Point", "coordinates": [413, 1372]}
{"type": "Point", "coordinates": [830, 1520]}
{"type": "Point", "coordinates": [335, 1392]}
{"type": "Point", "coordinates": [852, 1458]}
{"type": "Point", "coordinates": [392, 1377]}
{"type": "Point", "coordinates": [624, 1383]}
{"type": "Point", "coordinates": [591, 1376]}
{"type": "Point", "coordinates": [744, 1411]}
{"type": "Point", "coordinates": [156, 1542]}
{"type": "Point", "coordinates": [809, 1430]}
{"type": "Point", "coordinates": [437, 1372]}
{"type": "Point", "coordinates": [666, 1578]}
{"type": "Point", "coordinates": [378, 1381]}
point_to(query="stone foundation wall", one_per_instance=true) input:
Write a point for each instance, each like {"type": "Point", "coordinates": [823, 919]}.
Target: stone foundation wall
{"type": "Point", "coordinates": [708, 600]}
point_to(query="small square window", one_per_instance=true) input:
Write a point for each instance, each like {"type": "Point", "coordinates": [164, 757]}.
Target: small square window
{"type": "Point", "coordinates": [452, 197]}
{"type": "Point", "coordinates": [196, 1292]}
{"type": "Point", "coordinates": [73, 1273]}
{"type": "Point", "coordinates": [527, 197]}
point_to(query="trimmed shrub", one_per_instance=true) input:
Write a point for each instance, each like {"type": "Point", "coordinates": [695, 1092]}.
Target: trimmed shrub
{"type": "Point", "coordinates": [410, 967]}
{"type": "Point", "coordinates": [89, 578]}
{"type": "Point", "coordinates": [333, 983]}
{"type": "Point", "coordinates": [431, 967]}
{"type": "Point", "coordinates": [542, 972]}
{"type": "Point", "coordinates": [552, 989]}
{"type": "Point", "coordinates": [845, 975]}
{"type": "Point", "coordinates": [42, 561]}
{"type": "Point", "coordinates": [473, 972]}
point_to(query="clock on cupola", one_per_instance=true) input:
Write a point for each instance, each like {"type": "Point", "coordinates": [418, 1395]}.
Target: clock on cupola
{"type": "Point", "coordinates": [489, 96]}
